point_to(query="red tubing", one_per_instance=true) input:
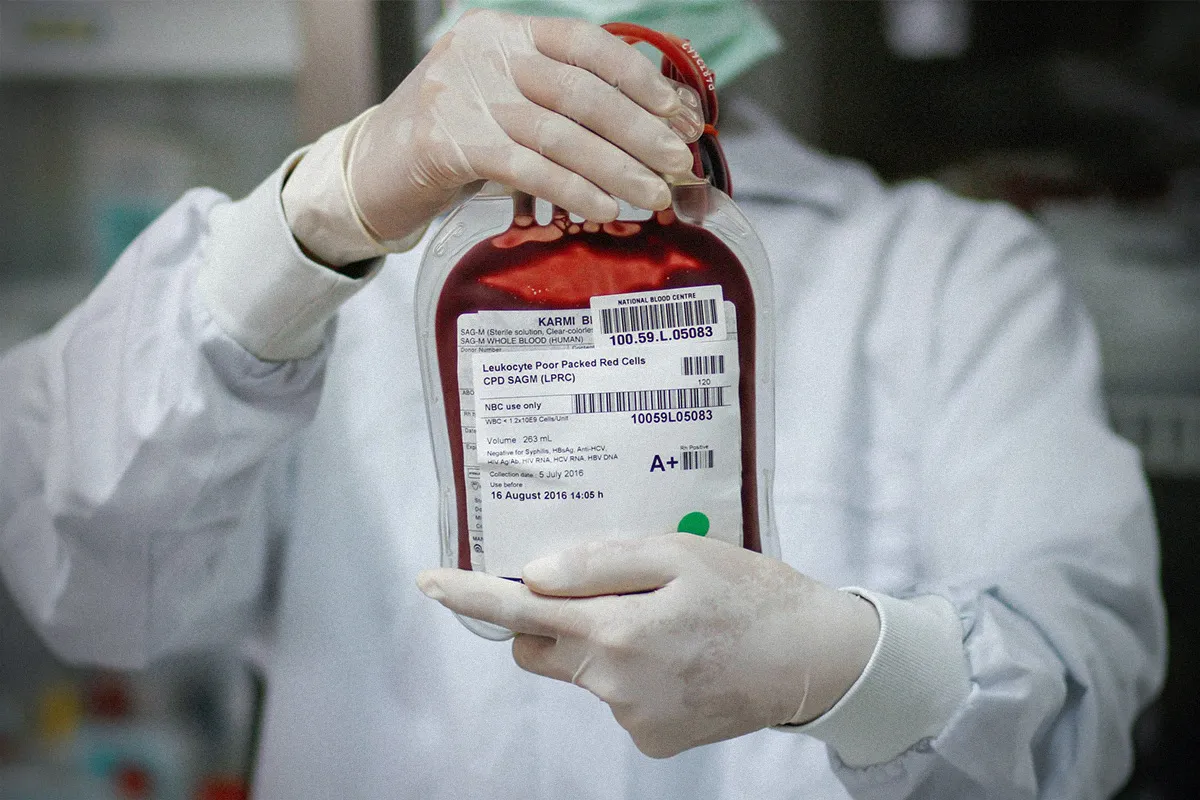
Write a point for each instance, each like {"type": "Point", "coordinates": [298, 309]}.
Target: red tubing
{"type": "Point", "coordinates": [682, 63]}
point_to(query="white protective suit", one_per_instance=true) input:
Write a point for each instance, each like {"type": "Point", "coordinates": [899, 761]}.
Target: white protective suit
{"type": "Point", "coordinates": [939, 431]}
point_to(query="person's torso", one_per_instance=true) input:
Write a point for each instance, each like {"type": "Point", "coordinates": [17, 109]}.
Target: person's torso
{"type": "Point", "coordinates": [376, 691]}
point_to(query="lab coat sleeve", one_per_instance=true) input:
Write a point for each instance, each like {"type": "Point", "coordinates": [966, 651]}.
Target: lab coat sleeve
{"type": "Point", "coordinates": [144, 449]}
{"type": "Point", "coordinates": [1035, 524]}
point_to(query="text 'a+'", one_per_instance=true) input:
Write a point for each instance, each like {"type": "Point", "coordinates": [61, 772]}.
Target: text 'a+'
{"type": "Point", "coordinates": [659, 465]}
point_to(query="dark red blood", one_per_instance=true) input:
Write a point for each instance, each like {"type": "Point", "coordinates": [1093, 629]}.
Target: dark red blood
{"type": "Point", "coordinates": [556, 275]}
{"type": "Point", "coordinates": [521, 269]}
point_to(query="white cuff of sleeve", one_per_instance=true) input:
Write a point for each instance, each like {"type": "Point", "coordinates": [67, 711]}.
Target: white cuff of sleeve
{"type": "Point", "coordinates": [915, 680]}
{"type": "Point", "coordinates": [318, 201]}
{"type": "Point", "coordinates": [257, 283]}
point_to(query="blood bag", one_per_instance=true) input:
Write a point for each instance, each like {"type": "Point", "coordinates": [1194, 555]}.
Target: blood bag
{"type": "Point", "coordinates": [590, 381]}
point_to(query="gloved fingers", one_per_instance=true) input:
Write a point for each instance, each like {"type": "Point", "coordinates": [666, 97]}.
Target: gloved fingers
{"type": "Point", "coordinates": [528, 171]}
{"type": "Point", "coordinates": [618, 64]}
{"type": "Point", "coordinates": [650, 740]}
{"type": "Point", "coordinates": [541, 656]}
{"type": "Point", "coordinates": [568, 144]}
{"type": "Point", "coordinates": [585, 98]}
{"type": "Point", "coordinates": [491, 599]}
{"type": "Point", "coordinates": [688, 125]}
{"type": "Point", "coordinates": [586, 662]}
{"type": "Point", "coordinates": [605, 567]}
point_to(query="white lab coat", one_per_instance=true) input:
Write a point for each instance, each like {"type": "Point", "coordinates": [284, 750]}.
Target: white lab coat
{"type": "Point", "coordinates": [939, 430]}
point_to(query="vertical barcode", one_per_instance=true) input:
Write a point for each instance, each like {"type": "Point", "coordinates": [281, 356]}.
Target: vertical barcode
{"type": "Point", "coordinates": [649, 400]}
{"type": "Point", "coordinates": [658, 316]}
{"type": "Point", "coordinates": [704, 365]}
{"type": "Point", "coordinates": [697, 459]}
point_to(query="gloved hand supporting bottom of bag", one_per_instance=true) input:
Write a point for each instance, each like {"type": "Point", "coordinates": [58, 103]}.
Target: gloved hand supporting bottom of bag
{"type": "Point", "coordinates": [688, 640]}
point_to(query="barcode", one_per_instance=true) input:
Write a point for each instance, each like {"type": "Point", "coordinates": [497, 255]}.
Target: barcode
{"type": "Point", "coordinates": [649, 400]}
{"type": "Point", "coordinates": [658, 316]}
{"type": "Point", "coordinates": [697, 459]}
{"type": "Point", "coordinates": [704, 365]}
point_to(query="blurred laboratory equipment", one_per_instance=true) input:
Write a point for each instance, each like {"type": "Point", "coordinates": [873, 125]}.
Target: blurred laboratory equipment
{"type": "Point", "coordinates": [167, 733]}
{"type": "Point", "coordinates": [110, 111]}
{"type": "Point", "coordinates": [920, 29]}
{"type": "Point", "coordinates": [1138, 270]}
{"type": "Point", "coordinates": [113, 109]}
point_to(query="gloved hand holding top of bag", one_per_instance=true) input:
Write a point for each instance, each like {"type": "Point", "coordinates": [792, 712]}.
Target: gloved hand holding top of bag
{"type": "Point", "coordinates": [557, 108]}
{"type": "Point", "coordinates": [688, 640]}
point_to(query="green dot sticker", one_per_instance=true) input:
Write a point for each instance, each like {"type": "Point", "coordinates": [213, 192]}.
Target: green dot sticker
{"type": "Point", "coordinates": [695, 522]}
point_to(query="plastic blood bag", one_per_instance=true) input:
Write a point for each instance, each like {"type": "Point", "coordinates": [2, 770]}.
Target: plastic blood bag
{"type": "Point", "coordinates": [591, 381]}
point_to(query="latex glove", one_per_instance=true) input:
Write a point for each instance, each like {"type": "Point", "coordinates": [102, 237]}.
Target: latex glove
{"type": "Point", "coordinates": [688, 640]}
{"type": "Point", "coordinates": [558, 108]}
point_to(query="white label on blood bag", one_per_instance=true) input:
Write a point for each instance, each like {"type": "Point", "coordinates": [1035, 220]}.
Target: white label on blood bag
{"type": "Point", "coordinates": [504, 331]}
{"type": "Point", "coordinates": [666, 316]}
{"type": "Point", "coordinates": [565, 443]}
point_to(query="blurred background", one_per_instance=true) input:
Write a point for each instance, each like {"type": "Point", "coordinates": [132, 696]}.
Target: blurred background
{"type": "Point", "coordinates": [1084, 114]}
